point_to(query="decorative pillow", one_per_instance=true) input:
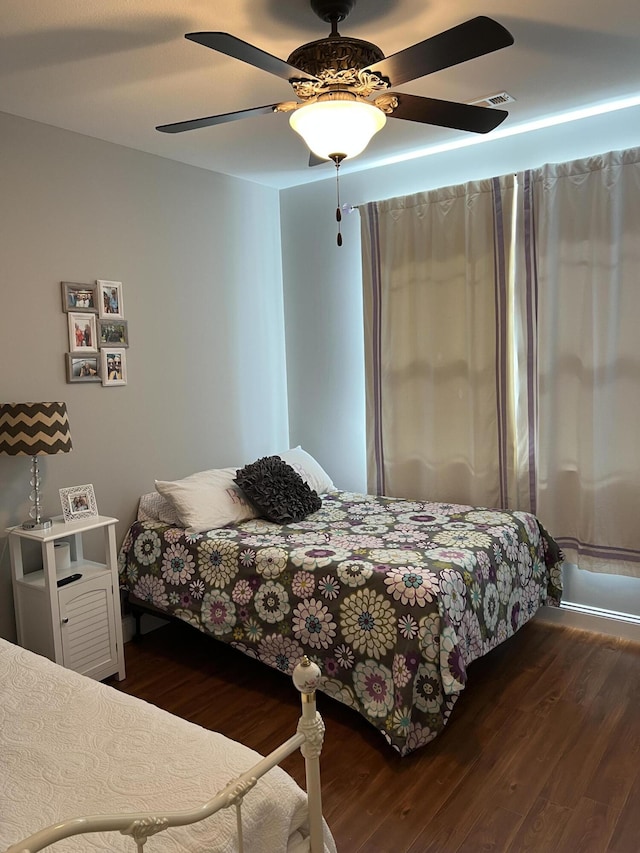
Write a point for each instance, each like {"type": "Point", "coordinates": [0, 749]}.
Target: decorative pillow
{"type": "Point", "coordinates": [277, 490]}
{"type": "Point", "coordinates": [207, 499]}
{"type": "Point", "coordinates": [311, 471]}
{"type": "Point", "coordinates": [153, 507]}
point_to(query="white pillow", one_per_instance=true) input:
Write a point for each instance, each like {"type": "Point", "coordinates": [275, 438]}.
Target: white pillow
{"type": "Point", "coordinates": [208, 499]}
{"type": "Point", "coordinates": [311, 471]}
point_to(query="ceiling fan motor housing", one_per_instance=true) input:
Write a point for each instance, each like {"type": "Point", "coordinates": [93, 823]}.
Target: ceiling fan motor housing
{"type": "Point", "coordinates": [335, 54]}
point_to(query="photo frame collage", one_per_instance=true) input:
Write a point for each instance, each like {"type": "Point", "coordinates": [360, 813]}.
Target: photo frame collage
{"type": "Point", "coordinates": [98, 332]}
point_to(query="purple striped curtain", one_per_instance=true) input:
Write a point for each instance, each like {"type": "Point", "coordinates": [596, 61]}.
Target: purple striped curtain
{"type": "Point", "coordinates": [502, 356]}
{"type": "Point", "coordinates": [580, 356]}
{"type": "Point", "coordinates": [436, 296]}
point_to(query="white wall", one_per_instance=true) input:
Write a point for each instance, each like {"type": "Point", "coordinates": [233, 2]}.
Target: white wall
{"type": "Point", "coordinates": [206, 361]}
{"type": "Point", "coordinates": [323, 300]}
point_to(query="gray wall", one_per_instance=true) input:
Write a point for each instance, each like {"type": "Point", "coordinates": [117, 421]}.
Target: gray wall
{"type": "Point", "coordinates": [199, 257]}
{"type": "Point", "coordinates": [323, 300]}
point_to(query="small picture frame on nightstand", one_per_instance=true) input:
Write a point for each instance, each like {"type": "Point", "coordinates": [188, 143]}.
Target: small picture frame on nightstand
{"type": "Point", "coordinates": [78, 502]}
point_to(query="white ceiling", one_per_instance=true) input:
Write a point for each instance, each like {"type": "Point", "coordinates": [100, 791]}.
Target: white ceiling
{"type": "Point", "coordinates": [114, 69]}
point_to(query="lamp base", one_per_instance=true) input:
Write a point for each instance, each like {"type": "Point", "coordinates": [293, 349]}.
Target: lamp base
{"type": "Point", "coordinates": [43, 524]}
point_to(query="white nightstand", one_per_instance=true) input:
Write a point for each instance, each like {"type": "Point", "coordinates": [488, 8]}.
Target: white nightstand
{"type": "Point", "coordinates": [78, 625]}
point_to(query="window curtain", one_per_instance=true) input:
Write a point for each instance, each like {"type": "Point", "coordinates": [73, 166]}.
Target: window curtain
{"type": "Point", "coordinates": [579, 310]}
{"type": "Point", "coordinates": [502, 334]}
{"type": "Point", "coordinates": [435, 311]}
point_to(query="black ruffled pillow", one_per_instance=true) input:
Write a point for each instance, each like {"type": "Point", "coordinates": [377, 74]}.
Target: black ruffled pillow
{"type": "Point", "coordinates": [277, 490]}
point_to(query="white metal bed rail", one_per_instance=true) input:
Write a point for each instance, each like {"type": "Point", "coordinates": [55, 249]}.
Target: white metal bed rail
{"type": "Point", "coordinates": [308, 738]}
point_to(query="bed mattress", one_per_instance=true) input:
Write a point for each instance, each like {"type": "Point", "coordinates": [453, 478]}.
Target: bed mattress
{"type": "Point", "coordinates": [72, 746]}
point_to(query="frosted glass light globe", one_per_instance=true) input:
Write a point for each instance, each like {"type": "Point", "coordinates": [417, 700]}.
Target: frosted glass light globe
{"type": "Point", "coordinates": [331, 127]}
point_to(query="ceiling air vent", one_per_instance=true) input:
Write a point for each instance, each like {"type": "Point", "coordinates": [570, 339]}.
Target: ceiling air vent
{"type": "Point", "coordinates": [496, 100]}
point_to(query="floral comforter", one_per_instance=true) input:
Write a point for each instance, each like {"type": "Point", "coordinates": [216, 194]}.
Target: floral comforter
{"type": "Point", "coordinates": [392, 598]}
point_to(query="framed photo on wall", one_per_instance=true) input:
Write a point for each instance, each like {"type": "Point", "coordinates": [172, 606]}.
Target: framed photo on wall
{"type": "Point", "coordinates": [113, 365]}
{"type": "Point", "coordinates": [78, 502]}
{"type": "Point", "coordinates": [113, 333]}
{"type": "Point", "coordinates": [83, 368]}
{"type": "Point", "coordinates": [82, 331]}
{"type": "Point", "coordinates": [79, 297]}
{"type": "Point", "coordinates": [110, 303]}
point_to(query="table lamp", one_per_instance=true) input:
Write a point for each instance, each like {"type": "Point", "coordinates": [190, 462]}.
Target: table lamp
{"type": "Point", "coordinates": [34, 429]}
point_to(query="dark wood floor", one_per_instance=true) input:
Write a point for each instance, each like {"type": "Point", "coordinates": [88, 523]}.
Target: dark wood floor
{"type": "Point", "coordinates": [542, 752]}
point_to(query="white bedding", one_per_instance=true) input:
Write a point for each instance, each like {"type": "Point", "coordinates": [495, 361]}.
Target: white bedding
{"type": "Point", "coordinates": [71, 746]}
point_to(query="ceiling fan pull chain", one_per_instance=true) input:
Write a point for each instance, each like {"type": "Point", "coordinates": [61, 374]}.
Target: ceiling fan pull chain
{"type": "Point", "coordinates": [338, 210]}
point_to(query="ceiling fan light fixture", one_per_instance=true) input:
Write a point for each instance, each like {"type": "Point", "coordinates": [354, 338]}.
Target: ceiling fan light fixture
{"type": "Point", "coordinates": [337, 124]}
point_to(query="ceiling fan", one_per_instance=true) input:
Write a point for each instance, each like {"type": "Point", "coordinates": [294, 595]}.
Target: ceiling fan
{"type": "Point", "coordinates": [342, 83]}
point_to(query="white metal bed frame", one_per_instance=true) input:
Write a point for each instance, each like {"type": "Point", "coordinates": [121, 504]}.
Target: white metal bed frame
{"type": "Point", "coordinates": [308, 739]}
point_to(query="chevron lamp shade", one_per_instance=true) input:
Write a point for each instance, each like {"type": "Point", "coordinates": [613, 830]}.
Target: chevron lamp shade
{"type": "Point", "coordinates": [34, 429]}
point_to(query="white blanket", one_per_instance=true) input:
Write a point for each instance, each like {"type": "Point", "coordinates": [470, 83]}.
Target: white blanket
{"type": "Point", "coordinates": [71, 746]}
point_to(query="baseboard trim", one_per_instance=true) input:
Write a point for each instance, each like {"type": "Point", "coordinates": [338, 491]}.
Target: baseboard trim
{"type": "Point", "coordinates": [601, 612]}
{"type": "Point", "coordinates": [596, 619]}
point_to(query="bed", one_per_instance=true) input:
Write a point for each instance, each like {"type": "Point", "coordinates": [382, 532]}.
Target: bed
{"type": "Point", "coordinates": [71, 747]}
{"type": "Point", "coordinates": [393, 599]}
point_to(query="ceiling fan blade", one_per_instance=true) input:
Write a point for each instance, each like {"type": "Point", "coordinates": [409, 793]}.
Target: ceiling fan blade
{"type": "Point", "coordinates": [476, 37]}
{"type": "Point", "coordinates": [245, 52]}
{"type": "Point", "coordinates": [447, 113]}
{"type": "Point", "coordinates": [208, 121]}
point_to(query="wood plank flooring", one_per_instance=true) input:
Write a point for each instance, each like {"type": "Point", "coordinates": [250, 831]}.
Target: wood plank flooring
{"type": "Point", "coordinates": [542, 752]}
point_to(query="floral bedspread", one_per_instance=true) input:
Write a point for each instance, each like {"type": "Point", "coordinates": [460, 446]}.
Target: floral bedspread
{"type": "Point", "coordinates": [392, 598]}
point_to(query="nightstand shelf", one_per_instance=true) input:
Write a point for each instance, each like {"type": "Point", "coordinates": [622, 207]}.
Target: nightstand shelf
{"type": "Point", "coordinates": [78, 625]}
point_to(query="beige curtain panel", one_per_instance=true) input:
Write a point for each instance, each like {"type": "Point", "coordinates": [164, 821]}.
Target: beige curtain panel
{"type": "Point", "coordinates": [582, 224]}
{"type": "Point", "coordinates": [435, 312]}
{"type": "Point", "coordinates": [502, 364]}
